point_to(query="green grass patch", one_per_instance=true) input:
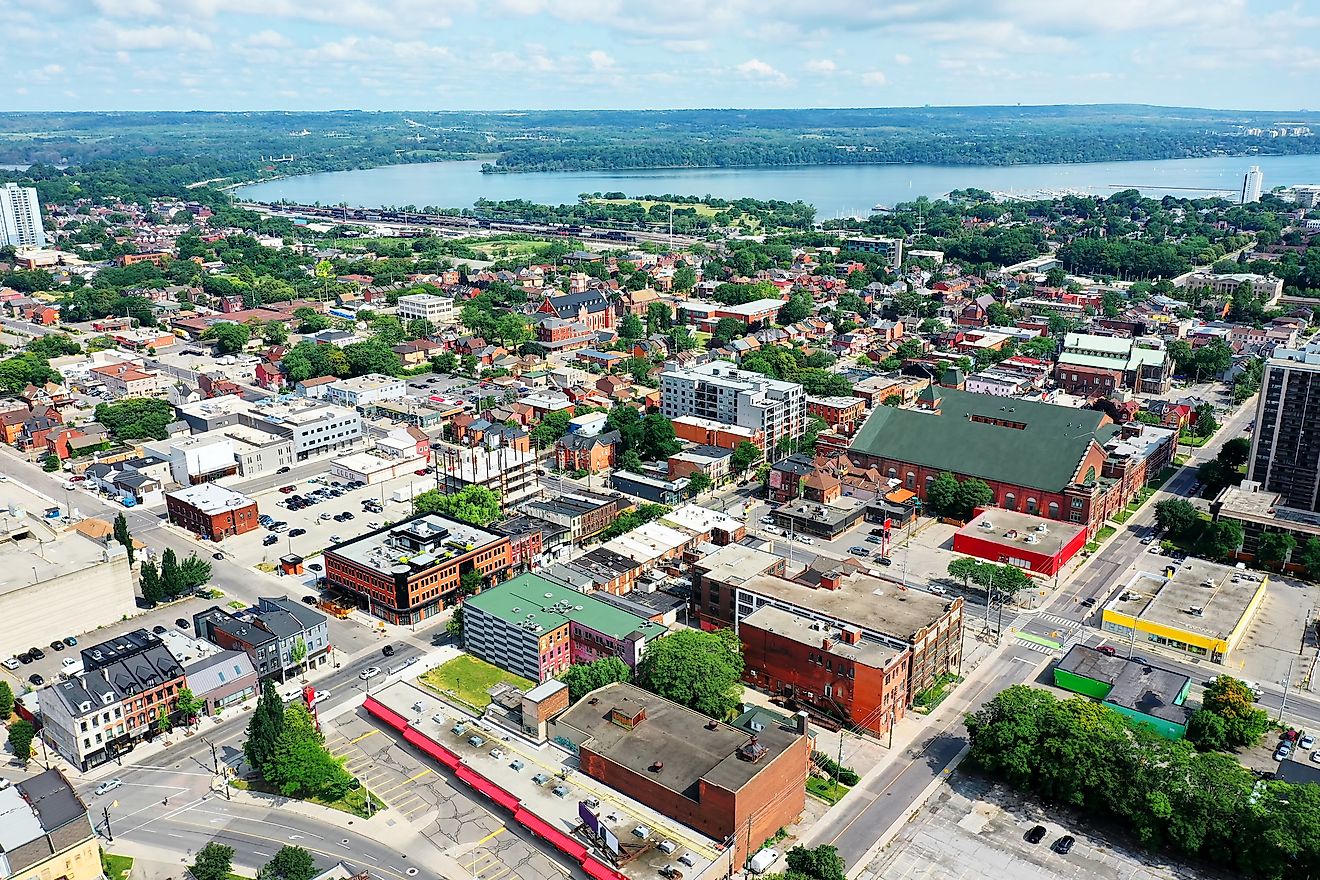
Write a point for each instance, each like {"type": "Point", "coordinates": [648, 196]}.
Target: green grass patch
{"type": "Point", "coordinates": [701, 209]}
{"type": "Point", "coordinates": [927, 700]}
{"type": "Point", "coordinates": [1105, 533]}
{"type": "Point", "coordinates": [1091, 547]}
{"type": "Point", "coordinates": [353, 803]}
{"type": "Point", "coordinates": [829, 790]}
{"type": "Point", "coordinates": [468, 679]}
{"type": "Point", "coordinates": [1124, 515]}
{"type": "Point", "coordinates": [232, 876]}
{"type": "Point", "coordinates": [115, 867]}
{"type": "Point", "coordinates": [1194, 441]}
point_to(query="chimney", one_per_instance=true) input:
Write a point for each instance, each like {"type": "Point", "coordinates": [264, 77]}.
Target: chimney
{"type": "Point", "coordinates": [831, 581]}
{"type": "Point", "coordinates": [827, 644]}
{"type": "Point", "coordinates": [801, 725]}
{"type": "Point", "coordinates": [851, 636]}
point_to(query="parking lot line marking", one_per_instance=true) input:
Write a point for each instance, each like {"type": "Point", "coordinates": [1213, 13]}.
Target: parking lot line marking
{"type": "Point", "coordinates": [412, 778]}
{"type": "Point", "coordinates": [481, 857]}
{"type": "Point", "coordinates": [496, 833]}
{"type": "Point", "coordinates": [365, 735]}
{"type": "Point", "coordinates": [503, 869]}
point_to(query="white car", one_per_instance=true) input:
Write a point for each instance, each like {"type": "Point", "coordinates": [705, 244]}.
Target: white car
{"type": "Point", "coordinates": [11, 663]}
{"type": "Point", "coordinates": [108, 785]}
{"type": "Point", "coordinates": [806, 539]}
{"type": "Point", "coordinates": [369, 672]}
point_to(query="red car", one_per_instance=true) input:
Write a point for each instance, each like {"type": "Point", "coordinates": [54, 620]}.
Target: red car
{"type": "Point", "coordinates": [1107, 650]}
{"type": "Point", "coordinates": [421, 472]}
{"type": "Point", "coordinates": [288, 489]}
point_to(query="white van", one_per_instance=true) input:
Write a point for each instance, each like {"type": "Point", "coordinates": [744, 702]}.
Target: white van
{"type": "Point", "coordinates": [762, 861]}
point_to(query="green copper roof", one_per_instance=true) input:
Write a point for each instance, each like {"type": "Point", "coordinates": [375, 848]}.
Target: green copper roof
{"type": "Point", "coordinates": [1044, 454]}
{"type": "Point", "coordinates": [525, 598]}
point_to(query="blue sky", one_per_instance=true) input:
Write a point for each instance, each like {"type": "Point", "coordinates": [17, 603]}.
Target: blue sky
{"type": "Point", "coordinates": [495, 54]}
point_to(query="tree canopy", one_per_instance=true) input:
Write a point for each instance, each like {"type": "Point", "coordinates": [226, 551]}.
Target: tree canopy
{"type": "Point", "coordinates": [700, 670]}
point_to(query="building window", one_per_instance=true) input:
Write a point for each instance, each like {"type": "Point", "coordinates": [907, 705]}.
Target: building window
{"type": "Point", "coordinates": [1010, 501]}
{"type": "Point", "coordinates": [1032, 507]}
{"type": "Point", "coordinates": [911, 480]}
{"type": "Point", "coordinates": [1054, 510]}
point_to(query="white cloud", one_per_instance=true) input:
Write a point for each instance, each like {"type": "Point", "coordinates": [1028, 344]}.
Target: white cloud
{"type": "Point", "coordinates": [269, 39]}
{"type": "Point", "coordinates": [52, 70]}
{"type": "Point", "coordinates": [160, 37]}
{"type": "Point", "coordinates": [755, 68]}
{"type": "Point", "coordinates": [900, 58]}
{"type": "Point", "coordinates": [600, 60]}
{"type": "Point", "coordinates": [874, 78]}
{"type": "Point", "coordinates": [822, 65]}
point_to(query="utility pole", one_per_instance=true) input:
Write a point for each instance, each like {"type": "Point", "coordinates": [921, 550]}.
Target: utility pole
{"type": "Point", "coordinates": [108, 834]}
{"type": "Point", "coordinates": [1287, 682]}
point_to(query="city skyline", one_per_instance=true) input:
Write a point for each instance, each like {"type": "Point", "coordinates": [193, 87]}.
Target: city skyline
{"type": "Point", "coordinates": [457, 54]}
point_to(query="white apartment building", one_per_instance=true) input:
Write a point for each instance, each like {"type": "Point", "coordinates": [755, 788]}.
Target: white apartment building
{"type": "Point", "coordinates": [234, 449]}
{"type": "Point", "coordinates": [362, 390]}
{"type": "Point", "coordinates": [721, 393]}
{"type": "Point", "coordinates": [439, 310]}
{"type": "Point", "coordinates": [20, 217]}
{"type": "Point", "coordinates": [314, 427]}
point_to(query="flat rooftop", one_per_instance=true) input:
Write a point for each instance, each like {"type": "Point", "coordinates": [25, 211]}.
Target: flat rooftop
{"type": "Point", "coordinates": [1140, 687]}
{"type": "Point", "coordinates": [863, 601]}
{"type": "Point", "coordinates": [688, 746]}
{"type": "Point", "coordinates": [541, 605]}
{"type": "Point", "coordinates": [211, 498]}
{"type": "Point", "coordinates": [813, 634]}
{"type": "Point", "coordinates": [700, 520]}
{"type": "Point", "coordinates": [32, 552]}
{"type": "Point", "coordinates": [735, 564]}
{"type": "Point", "coordinates": [369, 382]}
{"type": "Point", "coordinates": [1222, 594]}
{"type": "Point", "coordinates": [416, 544]}
{"type": "Point", "coordinates": [1012, 529]}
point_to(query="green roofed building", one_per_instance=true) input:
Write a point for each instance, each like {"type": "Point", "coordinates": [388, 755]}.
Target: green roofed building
{"type": "Point", "coordinates": [1146, 694]}
{"type": "Point", "coordinates": [536, 628]}
{"type": "Point", "coordinates": [1073, 465]}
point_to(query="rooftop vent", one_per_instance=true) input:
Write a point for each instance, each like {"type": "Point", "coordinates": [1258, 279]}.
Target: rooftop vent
{"type": "Point", "coordinates": [752, 750]}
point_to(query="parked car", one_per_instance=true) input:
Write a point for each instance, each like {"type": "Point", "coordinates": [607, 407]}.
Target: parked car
{"type": "Point", "coordinates": [57, 645]}
{"type": "Point", "coordinates": [874, 539]}
{"type": "Point", "coordinates": [158, 630]}
{"type": "Point", "coordinates": [369, 672]}
{"type": "Point", "coordinates": [25, 658]}
{"type": "Point", "coordinates": [37, 653]}
{"type": "Point", "coordinates": [288, 490]}
{"type": "Point", "coordinates": [859, 551]}
{"type": "Point", "coordinates": [1088, 602]}
{"type": "Point", "coordinates": [284, 470]}
{"type": "Point", "coordinates": [310, 600]}
{"type": "Point", "coordinates": [1149, 539]}
{"type": "Point", "coordinates": [270, 539]}
{"type": "Point", "coordinates": [346, 515]}
{"type": "Point", "coordinates": [1107, 650]}
{"type": "Point", "coordinates": [68, 663]}
{"type": "Point", "coordinates": [36, 679]}
{"type": "Point", "coordinates": [182, 624]}
{"type": "Point", "coordinates": [1308, 741]}
{"type": "Point", "coordinates": [388, 650]}
{"type": "Point", "coordinates": [1281, 753]}
{"type": "Point", "coordinates": [335, 539]}
{"type": "Point", "coordinates": [884, 560]}
{"type": "Point", "coordinates": [71, 641]}
{"type": "Point", "coordinates": [11, 663]}
{"type": "Point", "coordinates": [1064, 844]}
{"type": "Point", "coordinates": [1036, 834]}
{"type": "Point", "coordinates": [295, 533]}
{"type": "Point", "coordinates": [217, 555]}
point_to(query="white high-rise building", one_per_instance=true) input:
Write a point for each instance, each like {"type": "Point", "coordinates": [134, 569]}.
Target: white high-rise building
{"type": "Point", "coordinates": [1251, 185]}
{"type": "Point", "coordinates": [719, 392]}
{"type": "Point", "coordinates": [20, 217]}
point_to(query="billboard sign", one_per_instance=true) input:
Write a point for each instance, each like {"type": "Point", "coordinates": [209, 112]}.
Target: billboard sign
{"type": "Point", "coordinates": [589, 819]}
{"type": "Point", "coordinates": [611, 840]}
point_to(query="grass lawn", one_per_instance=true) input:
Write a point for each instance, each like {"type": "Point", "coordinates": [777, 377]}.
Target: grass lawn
{"type": "Point", "coordinates": [1105, 534]}
{"type": "Point", "coordinates": [354, 803]}
{"type": "Point", "coordinates": [702, 210]}
{"type": "Point", "coordinates": [1195, 442]}
{"type": "Point", "coordinates": [116, 867]}
{"type": "Point", "coordinates": [828, 790]}
{"type": "Point", "coordinates": [232, 876]}
{"type": "Point", "coordinates": [468, 679]}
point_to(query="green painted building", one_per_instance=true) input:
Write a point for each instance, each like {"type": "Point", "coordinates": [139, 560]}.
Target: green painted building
{"type": "Point", "coordinates": [1146, 694]}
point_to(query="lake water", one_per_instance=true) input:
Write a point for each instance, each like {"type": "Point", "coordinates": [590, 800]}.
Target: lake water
{"type": "Point", "coordinates": [835, 190]}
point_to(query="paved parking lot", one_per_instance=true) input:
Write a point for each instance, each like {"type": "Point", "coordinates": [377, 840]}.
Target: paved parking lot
{"type": "Point", "coordinates": [973, 830]}
{"type": "Point", "coordinates": [1276, 634]}
{"type": "Point", "coordinates": [419, 794]}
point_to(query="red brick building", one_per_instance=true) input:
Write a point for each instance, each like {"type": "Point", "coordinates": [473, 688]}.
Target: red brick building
{"type": "Point", "coordinates": [837, 410]}
{"type": "Point", "coordinates": [575, 452]}
{"type": "Point", "coordinates": [827, 670]}
{"type": "Point", "coordinates": [703, 773]}
{"type": "Point", "coordinates": [413, 570]}
{"type": "Point", "coordinates": [1031, 543]}
{"type": "Point", "coordinates": [211, 511]}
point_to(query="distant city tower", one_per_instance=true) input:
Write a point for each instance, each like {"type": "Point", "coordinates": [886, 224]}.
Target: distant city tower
{"type": "Point", "coordinates": [1251, 184]}
{"type": "Point", "coordinates": [20, 217]}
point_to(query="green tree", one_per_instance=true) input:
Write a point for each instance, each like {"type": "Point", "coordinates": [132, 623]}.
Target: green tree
{"type": "Point", "coordinates": [51, 463]}
{"type": "Point", "coordinates": [1220, 539]}
{"type": "Point", "coordinates": [631, 327]}
{"type": "Point", "coordinates": [136, 418]}
{"type": "Point", "coordinates": [310, 320]}
{"type": "Point", "coordinates": [552, 426]}
{"type": "Point", "coordinates": [1275, 547]}
{"type": "Point", "coordinates": [1233, 701]}
{"type": "Point", "coordinates": [1207, 731]}
{"type": "Point", "coordinates": [454, 626]}
{"type": "Point", "coordinates": [745, 454]}
{"type": "Point", "coordinates": [6, 701]}
{"type": "Point", "coordinates": [821, 863]}
{"type": "Point", "coordinates": [685, 278]}
{"type": "Point", "coordinates": [298, 653]}
{"type": "Point", "coordinates": [972, 493]}
{"type": "Point", "coordinates": [290, 863]}
{"type": "Point", "coordinates": [123, 537]}
{"type": "Point", "coordinates": [1308, 555]}
{"type": "Point", "coordinates": [964, 568]}
{"type": "Point", "coordinates": [149, 581]}
{"type": "Point", "coordinates": [299, 765]}
{"type": "Point", "coordinates": [21, 734]}
{"type": "Point", "coordinates": [700, 670]}
{"type": "Point", "coordinates": [728, 329]}
{"type": "Point", "coordinates": [194, 572]}
{"type": "Point", "coordinates": [1235, 452]}
{"type": "Point", "coordinates": [187, 705]}
{"type": "Point", "coordinates": [264, 728]}
{"type": "Point", "coordinates": [799, 307]}
{"type": "Point", "coordinates": [698, 482]}
{"type": "Point", "coordinates": [681, 340]}
{"type": "Point", "coordinates": [1205, 421]}
{"type": "Point", "coordinates": [625, 419]}
{"type": "Point", "coordinates": [275, 333]}
{"type": "Point", "coordinates": [470, 582]}
{"type": "Point", "coordinates": [388, 329]}
{"type": "Point", "coordinates": [658, 440]}
{"type": "Point", "coordinates": [472, 504]}
{"type": "Point", "coordinates": [1177, 518]}
{"type": "Point", "coordinates": [229, 336]}
{"type": "Point", "coordinates": [171, 580]}
{"type": "Point", "coordinates": [375, 355]}
{"type": "Point", "coordinates": [445, 362]}
{"type": "Point", "coordinates": [583, 678]}
{"type": "Point", "coordinates": [214, 862]}
{"type": "Point", "coordinates": [419, 328]}
{"type": "Point", "coordinates": [942, 495]}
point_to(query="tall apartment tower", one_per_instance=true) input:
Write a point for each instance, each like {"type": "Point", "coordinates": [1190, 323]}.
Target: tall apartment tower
{"type": "Point", "coordinates": [1285, 448]}
{"type": "Point", "coordinates": [20, 217]}
{"type": "Point", "coordinates": [1252, 182]}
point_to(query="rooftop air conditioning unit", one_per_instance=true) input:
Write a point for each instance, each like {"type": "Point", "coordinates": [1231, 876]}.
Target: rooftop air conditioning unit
{"type": "Point", "coordinates": [987, 525]}
{"type": "Point", "coordinates": [1042, 528]}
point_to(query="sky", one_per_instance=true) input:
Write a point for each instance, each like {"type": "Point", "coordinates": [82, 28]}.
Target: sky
{"type": "Point", "coordinates": [532, 54]}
